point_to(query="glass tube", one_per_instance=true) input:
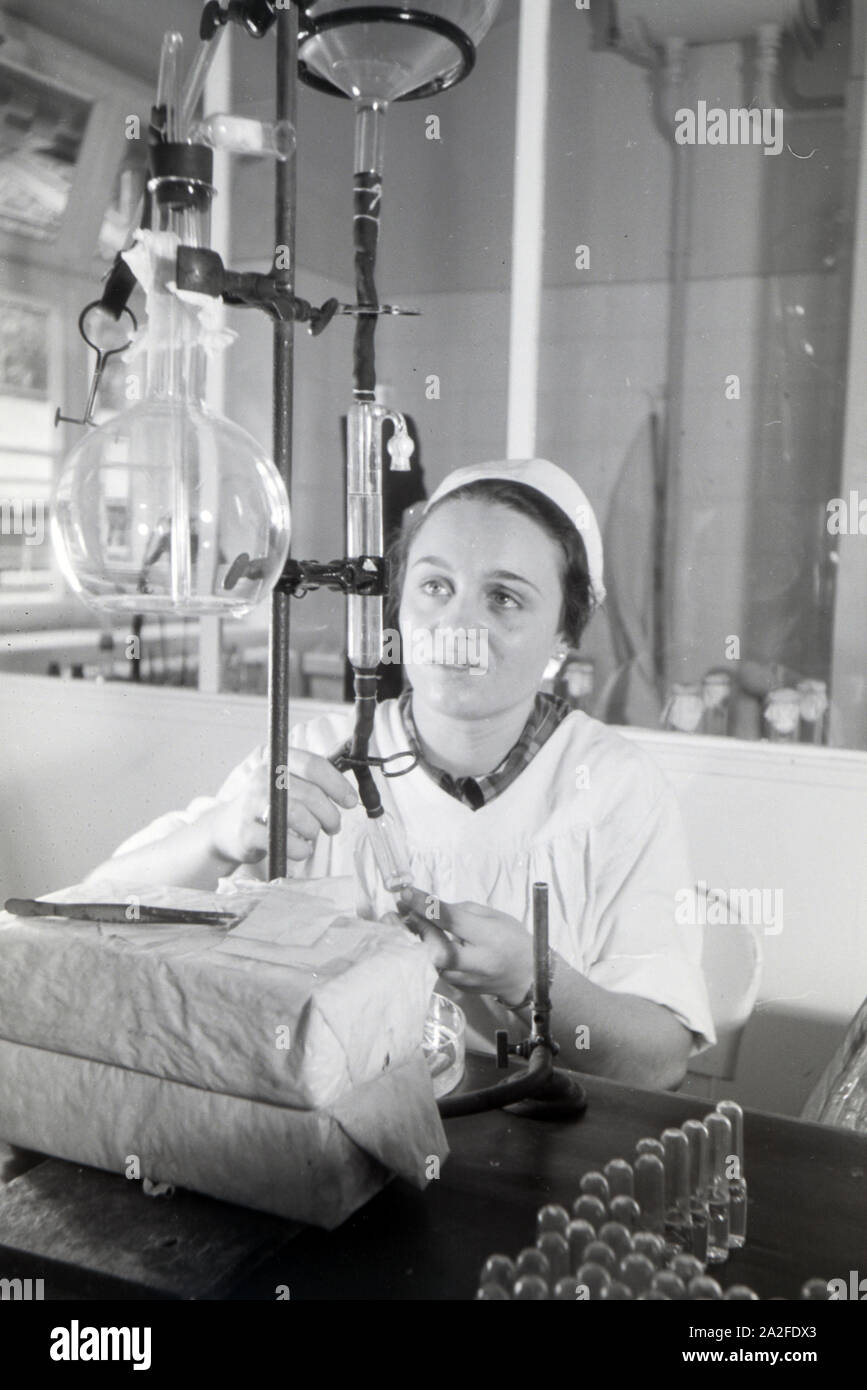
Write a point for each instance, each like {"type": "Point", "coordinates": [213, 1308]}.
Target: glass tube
{"type": "Point", "coordinates": [652, 1246]}
{"type": "Point", "coordinates": [618, 1237]}
{"type": "Point", "coordinates": [389, 847]}
{"type": "Point", "coordinates": [699, 1182]}
{"type": "Point", "coordinates": [678, 1221]}
{"type": "Point", "coordinates": [498, 1269]}
{"type": "Point", "coordinates": [596, 1185]}
{"type": "Point", "coordinates": [626, 1210]}
{"type": "Point", "coordinates": [587, 1208]}
{"type": "Point", "coordinates": [621, 1180]}
{"type": "Point", "coordinates": [737, 1184]}
{"type": "Point", "coordinates": [169, 86]}
{"type": "Point", "coordinates": [364, 529]}
{"type": "Point", "coordinates": [243, 135]}
{"type": "Point", "coordinates": [530, 1288]}
{"type": "Point", "coordinates": [552, 1218]}
{"type": "Point", "coordinates": [198, 75]}
{"type": "Point", "coordinates": [636, 1272]}
{"type": "Point", "coordinates": [555, 1248]}
{"type": "Point", "coordinates": [579, 1235]}
{"type": "Point", "coordinates": [650, 1191]}
{"type": "Point", "coordinates": [369, 136]}
{"type": "Point", "coordinates": [719, 1203]}
{"type": "Point", "coordinates": [650, 1146]}
{"type": "Point", "coordinates": [595, 1279]}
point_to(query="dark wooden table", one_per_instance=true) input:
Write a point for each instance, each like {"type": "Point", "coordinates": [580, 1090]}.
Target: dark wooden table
{"type": "Point", "coordinates": [94, 1235]}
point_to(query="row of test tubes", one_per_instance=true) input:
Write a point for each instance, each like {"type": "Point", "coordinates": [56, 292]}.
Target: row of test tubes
{"type": "Point", "coordinates": [648, 1228]}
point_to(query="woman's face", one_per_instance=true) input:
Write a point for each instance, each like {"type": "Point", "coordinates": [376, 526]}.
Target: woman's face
{"type": "Point", "coordinates": [483, 570]}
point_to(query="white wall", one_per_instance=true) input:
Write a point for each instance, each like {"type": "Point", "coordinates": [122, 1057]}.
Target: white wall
{"type": "Point", "coordinates": [85, 765]}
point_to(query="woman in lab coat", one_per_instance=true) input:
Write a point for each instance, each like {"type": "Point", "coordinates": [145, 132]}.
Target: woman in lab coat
{"type": "Point", "coordinates": [510, 788]}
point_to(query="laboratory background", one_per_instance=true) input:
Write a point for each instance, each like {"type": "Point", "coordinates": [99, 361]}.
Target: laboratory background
{"type": "Point", "coordinates": [680, 325]}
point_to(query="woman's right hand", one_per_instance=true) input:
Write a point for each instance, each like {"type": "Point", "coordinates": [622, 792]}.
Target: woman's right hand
{"type": "Point", "coordinates": [317, 792]}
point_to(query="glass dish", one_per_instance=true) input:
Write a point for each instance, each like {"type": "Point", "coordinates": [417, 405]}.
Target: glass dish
{"type": "Point", "coordinates": [444, 1043]}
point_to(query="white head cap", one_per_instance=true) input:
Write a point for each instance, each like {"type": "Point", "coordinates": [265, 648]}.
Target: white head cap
{"type": "Point", "coordinates": [555, 484]}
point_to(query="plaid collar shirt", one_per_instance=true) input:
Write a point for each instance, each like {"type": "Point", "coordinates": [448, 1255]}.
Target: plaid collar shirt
{"type": "Point", "coordinates": [547, 714]}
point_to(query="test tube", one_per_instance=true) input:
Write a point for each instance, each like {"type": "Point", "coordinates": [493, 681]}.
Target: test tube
{"type": "Point", "coordinates": [596, 1185]}
{"type": "Point", "coordinates": [703, 1289]}
{"type": "Point", "coordinates": [566, 1289]}
{"type": "Point", "coordinates": [636, 1272]}
{"type": "Point", "coordinates": [650, 1190]}
{"type": "Point", "coordinates": [699, 1182]}
{"type": "Point", "coordinates": [668, 1283]}
{"type": "Point", "coordinates": [621, 1181]}
{"type": "Point", "coordinates": [737, 1183]}
{"type": "Point", "coordinates": [390, 851]}
{"type": "Point", "coordinates": [595, 1279]}
{"type": "Point", "coordinates": [586, 1208]}
{"type": "Point", "coordinates": [686, 1267]}
{"type": "Point", "coordinates": [492, 1292]}
{"type": "Point", "coordinates": [555, 1248]}
{"type": "Point", "coordinates": [579, 1235]}
{"type": "Point", "coordinates": [740, 1293]}
{"type": "Point", "coordinates": [816, 1290]}
{"type": "Point", "coordinates": [551, 1218]}
{"type": "Point", "coordinates": [598, 1253]}
{"type": "Point", "coordinates": [532, 1261]}
{"type": "Point", "coordinates": [650, 1146]}
{"type": "Point", "coordinates": [618, 1292]}
{"type": "Point", "coordinates": [720, 1132]}
{"type": "Point", "coordinates": [198, 74]}
{"type": "Point", "coordinates": [498, 1269]}
{"type": "Point", "coordinates": [678, 1220]}
{"type": "Point", "coordinates": [364, 528]}
{"type": "Point", "coordinates": [618, 1236]}
{"type": "Point", "coordinates": [169, 85]}
{"type": "Point", "coordinates": [651, 1245]}
{"type": "Point", "coordinates": [530, 1287]}
{"type": "Point", "coordinates": [627, 1211]}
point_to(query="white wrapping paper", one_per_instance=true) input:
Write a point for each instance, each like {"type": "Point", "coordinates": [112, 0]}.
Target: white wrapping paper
{"type": "Point", "coordinates": [296, 1005]}
{"type": "Point", "coordinates": [276, 1063]}
{"type": "Point", "coordinates": [315, 1166]}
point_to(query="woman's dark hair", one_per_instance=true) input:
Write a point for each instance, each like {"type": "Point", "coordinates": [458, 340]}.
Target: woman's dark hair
{"type": "Point", "coordinates": [578, 602]}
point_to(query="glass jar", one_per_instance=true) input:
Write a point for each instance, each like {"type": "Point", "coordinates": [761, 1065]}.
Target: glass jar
{"type": "Point", "coordinates": [684, 708]}
{"type": "Point", "coordinates": [813, 697]}
{"type": "Point", "coordinates": [575, 683]}
{"type": "Point", "coordinates": [716, 693]}
{"type": "Point", "coordinates": [781, 715]}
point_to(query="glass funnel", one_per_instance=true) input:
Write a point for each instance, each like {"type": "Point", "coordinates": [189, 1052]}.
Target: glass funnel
{"type": "Point", "coordinates": [383, 60]}
{"type": "Point", "coordinates": [169, 507]}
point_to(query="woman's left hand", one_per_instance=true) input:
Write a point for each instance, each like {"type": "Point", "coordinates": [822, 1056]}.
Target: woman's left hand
{"type": "Point", "coordinates": [472, 946]}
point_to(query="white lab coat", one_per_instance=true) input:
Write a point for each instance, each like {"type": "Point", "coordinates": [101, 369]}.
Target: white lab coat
{"type": "Point", "coordinates": [592, 816]}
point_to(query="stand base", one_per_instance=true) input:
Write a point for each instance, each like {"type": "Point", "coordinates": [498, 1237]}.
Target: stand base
{"type": "Point", "coordinates": [561, 1097]}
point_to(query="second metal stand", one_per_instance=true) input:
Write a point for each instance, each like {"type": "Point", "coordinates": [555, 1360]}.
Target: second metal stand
{"type": "Point", "coordinates": [540, 1090]}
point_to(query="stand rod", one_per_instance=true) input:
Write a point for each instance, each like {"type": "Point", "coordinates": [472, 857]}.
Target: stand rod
{"type": "Point", "coordinates": [283, 359]}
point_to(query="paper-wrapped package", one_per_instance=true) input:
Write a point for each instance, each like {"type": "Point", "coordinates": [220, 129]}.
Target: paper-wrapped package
{"type": "Point", "coordinates": [276, 1063]}
{"type": "Point", "coordinates": [295, 1004]}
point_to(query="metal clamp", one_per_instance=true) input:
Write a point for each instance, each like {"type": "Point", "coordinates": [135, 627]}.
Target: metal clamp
{"type": "Point", "coordinates": [366, 575]}
{"type": "Point", "coordinates": [202, 271]}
